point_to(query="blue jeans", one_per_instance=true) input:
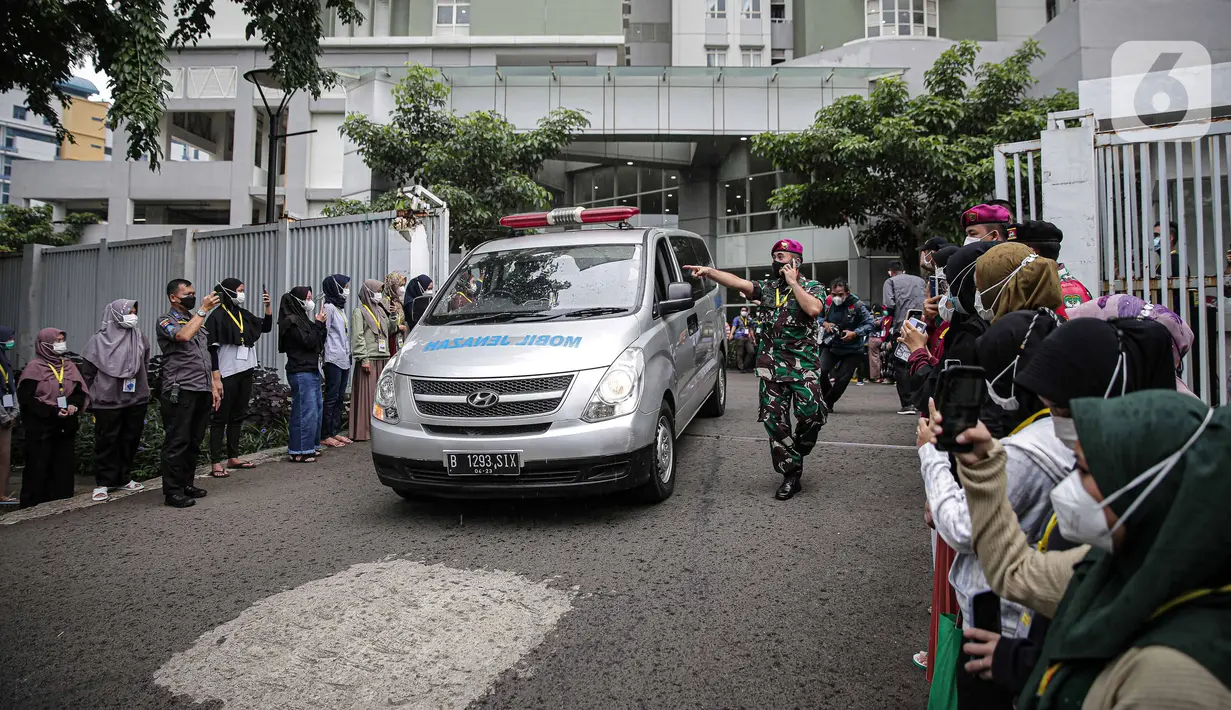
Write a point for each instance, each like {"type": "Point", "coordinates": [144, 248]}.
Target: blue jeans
{"type": "Point", "coordinates": [306, 404]}
{"type": "Point", "coordinates": [335, 389]}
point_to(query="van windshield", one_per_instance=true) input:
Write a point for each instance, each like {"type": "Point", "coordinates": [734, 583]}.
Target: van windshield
{"type": "Point", "coordinates": [543, 283]}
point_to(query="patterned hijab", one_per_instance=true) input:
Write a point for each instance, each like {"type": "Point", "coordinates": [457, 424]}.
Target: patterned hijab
{"type": "Point", "coordinates": [1012, 278]}
{"type": "Point", "coordinates": [1177, 543]}
{"type": "Point", "coordinates": [374, 309]}
{"type": "Point", "coordinates": [1122, 305]}
{"type": "Point", "coordinates": [117, 351]}
{"type": "Point", "coordinates": [46, 364]}
{"type": "Point", "coordinates": [391, 289]}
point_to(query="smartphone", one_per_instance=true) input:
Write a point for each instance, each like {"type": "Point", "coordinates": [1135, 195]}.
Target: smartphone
{"type": "Point", "coordinates": [986, 612]}
{"type": "Point", "coordinates": [916, 313]}
{"type": "Point", "coordinates": [960, 394]}
{"type": "Point", "coordinates": [936, 286]}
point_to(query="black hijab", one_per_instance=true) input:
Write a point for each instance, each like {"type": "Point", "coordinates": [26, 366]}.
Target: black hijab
{"type": "Point", "coordinates": [1018, 335]}
{"type": "Point", "coordinates": [960, 273]}
{"type": "Point", "coordinates": [1082, 359]}
{"type": "Point", "coordinates": [943, 255]}
{"type": "Point", "coordinates": [291, 308]}
{"type": "Point", "coordinates": [416, 288]}
{"type": "Point", "coordinates": [332, 288]}
{"type": "Point", "coordinates": [223, 325]}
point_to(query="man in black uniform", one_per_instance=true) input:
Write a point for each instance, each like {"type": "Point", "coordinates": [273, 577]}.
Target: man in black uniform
{"type": "Point", "coordinates": [189, 390]}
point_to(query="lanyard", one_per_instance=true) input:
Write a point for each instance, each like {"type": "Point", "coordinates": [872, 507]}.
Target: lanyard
{"type": "Point", "coordinates": [5, 374]}
{"type": "Point", "coordinates": [59, 375]}
{"type": "Point", "coordinates": [238, 321]}
{"type": "Point", "coordinates": [1031, 420]}
{"type": "Point", "coordinates": [779, 299]}
{"type": "Point", "coordinates": [380, 330]}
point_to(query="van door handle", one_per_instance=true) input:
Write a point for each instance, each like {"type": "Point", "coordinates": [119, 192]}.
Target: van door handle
{"type": "Point", "coordinates": [693, 325]}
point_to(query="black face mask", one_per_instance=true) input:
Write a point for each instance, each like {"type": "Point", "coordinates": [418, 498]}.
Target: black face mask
{"type": "Point", "coordinates": [779, 267]}
{"type": "Point", "coordinates": [188, 302]}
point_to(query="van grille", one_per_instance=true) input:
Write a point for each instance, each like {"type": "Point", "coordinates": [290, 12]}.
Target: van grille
{"type": "Point", "coordinates": [527, 396]}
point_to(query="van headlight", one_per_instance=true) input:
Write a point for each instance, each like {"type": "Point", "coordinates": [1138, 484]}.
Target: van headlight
{"type": "Point", "coordinates": [385, 407]}
{"type": "Point", "coordinates": [619, 391]}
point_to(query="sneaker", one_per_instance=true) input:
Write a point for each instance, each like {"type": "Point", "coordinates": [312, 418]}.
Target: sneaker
{"type": "Point", "coordinates": [921, 659]}
{"type": "Point", "coordinates": [859, 383]}
{"type": "Point", "coordinates": [907, 410]}
{"type": "Point", "coordinates": [100, 494]}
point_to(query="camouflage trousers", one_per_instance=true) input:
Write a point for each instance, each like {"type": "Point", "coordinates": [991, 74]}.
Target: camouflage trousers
{"type": "Point", "coordinates": [778, 400]}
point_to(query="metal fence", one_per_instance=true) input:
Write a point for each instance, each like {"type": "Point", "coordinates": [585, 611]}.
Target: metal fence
{"type": "Point", "coordinates": [73, 284]}
{"type": "Point", "coordinates": [1023, 179]}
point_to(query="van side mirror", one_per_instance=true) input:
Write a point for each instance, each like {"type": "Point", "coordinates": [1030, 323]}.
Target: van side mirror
{"type": "Point", "coordinates": [679, 298]}
{"type": "Point", "coordinates": [418, 307]}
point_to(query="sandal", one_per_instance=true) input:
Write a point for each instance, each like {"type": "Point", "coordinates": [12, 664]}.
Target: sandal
{"type": "Point", "coordinates": [242, 465]}
{"type": "Point", "coordinates": [100, 495]}
{"type": "Point", "coordinates": [219, 473]}
{"type": "Point", "coordinates": [333, 443]}
{"type": "Point", "coordinates": [343, 439]}
{"type": "Point", "coordinates": [300, 458]}
{"type": "Point", "coordinates": [132, 486]}
{"type": "Point", "coordinates": [921, 659]}
{"type": "Point", "coordinates": [9, 500]}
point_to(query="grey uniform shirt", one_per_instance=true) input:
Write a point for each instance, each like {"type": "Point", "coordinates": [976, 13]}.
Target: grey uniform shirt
{"type": "Point", "coordinates": [903, 293]}
{"type": "Point", "coordinates": [184, 363]}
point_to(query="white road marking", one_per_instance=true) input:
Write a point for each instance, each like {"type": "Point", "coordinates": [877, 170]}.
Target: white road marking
{"type": "Point", "coordinates": [383, 634]}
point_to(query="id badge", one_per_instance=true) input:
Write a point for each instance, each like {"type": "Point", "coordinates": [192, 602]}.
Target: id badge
{"type": "Point", "coordinates": [381, 346]}
{"type": "Point", "coordinates": [8, 401]}
{"type": "Point", "coordinates": [130, 384]}
{"type": "Point", "coordinates": [62, 402]}
{"type": "Point", "coordinates": [242, 353]}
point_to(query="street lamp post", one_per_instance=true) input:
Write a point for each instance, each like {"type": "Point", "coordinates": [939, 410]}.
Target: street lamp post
{"type": "Point", "coordinates": [269, 79]}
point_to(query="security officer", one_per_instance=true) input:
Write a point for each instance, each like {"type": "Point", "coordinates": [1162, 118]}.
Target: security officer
{"type": "Point", "coordinates": [189, 390]}
{"type": "Point", "coordinates": [788, 354]}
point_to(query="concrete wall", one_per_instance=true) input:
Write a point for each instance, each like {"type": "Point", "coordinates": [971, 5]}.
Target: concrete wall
{"type": "Point", "coordinates": [969, 19]}
{"type": "Point", "coordinates": [544, 17]}
{"type": "Point", "coordinates": [914, 54]}
{"type": "Point", "coordinates": [821, 24]}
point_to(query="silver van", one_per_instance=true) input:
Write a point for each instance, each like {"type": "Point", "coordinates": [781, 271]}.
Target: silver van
{"type": "Point", "coordinates": [553, 365]}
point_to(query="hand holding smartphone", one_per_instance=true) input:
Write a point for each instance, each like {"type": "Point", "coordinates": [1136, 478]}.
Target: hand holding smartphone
{"type": "Point", "coordinates": [959, 398]}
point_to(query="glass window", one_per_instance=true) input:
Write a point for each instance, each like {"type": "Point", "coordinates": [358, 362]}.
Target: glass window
{"type": "Point", "coordinates": [715, 57]}
{"type": "Point", "coordinates": [651, 179]}
{"type": "Point", "coordinates": [626, 180]}
{"type": "Point", "coordinates": [760, 188]}
{"type": "Point", "coordinates": [702, 251]}
{"type": "Point", "coordinates": [652, 203]}
{"type": "Point", "coordinates": [752, 9]}
{"type": "Point", "coordinates": [777, 56]}
{"type": "Point", "coordinates": [7, 168]}
{"type": "Point", "coordinates": [777, 11]}
{"type": "Point", "coordinates": [752, 57]}
{"type": "Point", "coordinates": [765, 222]}
{"type": "Point", "coordinates": [602, 184]}
{"type": "Point", "coordinates": [19, 112]}
{"type": "Point", "coordinates": [684, 256]}
{"type": "Point", "coordinates": [716, 8]}
{"type": "Point", "coordinates": [671, 204]}
{"type": "Point", "coordinates": [453, 12]}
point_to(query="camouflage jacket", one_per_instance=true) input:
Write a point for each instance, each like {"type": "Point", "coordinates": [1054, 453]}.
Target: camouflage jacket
{"type": "Point", "coordinates": [788, 339]}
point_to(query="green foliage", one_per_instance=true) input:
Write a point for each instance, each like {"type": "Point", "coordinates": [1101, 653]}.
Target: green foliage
{"type": "Point", "coordinates": [32, 225]}
{"type": "Point", "coordinates": [384, 202]}
{"type": "Point", "coordinates": [128, 40]}
{"type": "Point", "coordinates": [904, 168]}
{"type": "Point", "coordinates": [476, 162]}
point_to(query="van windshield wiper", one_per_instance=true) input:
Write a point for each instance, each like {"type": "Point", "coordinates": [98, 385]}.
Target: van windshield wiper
{"type": "Point", "coordinates": [588, 312]}
{"type": "Point", "coordinates": [483, 318]}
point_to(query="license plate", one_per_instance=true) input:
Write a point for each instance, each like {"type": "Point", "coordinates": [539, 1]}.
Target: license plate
{"type": "Point", "coordinates": [488, 463]}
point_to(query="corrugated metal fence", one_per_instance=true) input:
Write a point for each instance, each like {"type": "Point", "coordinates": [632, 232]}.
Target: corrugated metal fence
{"type": "Point", "coordinates": [73, 284]}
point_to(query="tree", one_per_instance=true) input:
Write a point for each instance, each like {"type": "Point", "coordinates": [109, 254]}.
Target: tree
{"type": "Point", "coordinates": [903, 168]}
{"type": "Point", "coordinates": [42, 40]}
{"type": "Point", "coordinates": [32, 225]}
{"type": "Point", "coordinates": [477, 163]}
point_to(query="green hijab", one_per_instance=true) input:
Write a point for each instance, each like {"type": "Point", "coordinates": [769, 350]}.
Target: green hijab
{"type": "Point", "coordinates": [1178, 541]}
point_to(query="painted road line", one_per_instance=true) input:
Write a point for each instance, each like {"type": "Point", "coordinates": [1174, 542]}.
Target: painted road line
{"type": "Point", "coordinates": [762, 440]}
{"type": "Point", "coordinates": [385, 634]}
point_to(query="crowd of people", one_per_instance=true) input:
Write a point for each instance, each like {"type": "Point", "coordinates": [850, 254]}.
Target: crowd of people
{"type": "Point", "coordinates": [1078, 553]}
{"type": "Point", "coordinates": [208, 363]}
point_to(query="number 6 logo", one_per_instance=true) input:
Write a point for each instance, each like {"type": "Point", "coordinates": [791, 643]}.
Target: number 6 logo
{"type": "Point", "coordinates": [1160, 90]}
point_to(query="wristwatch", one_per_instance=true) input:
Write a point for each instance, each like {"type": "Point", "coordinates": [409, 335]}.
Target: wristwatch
{"type": "Point", "coordinates": [202, 312]}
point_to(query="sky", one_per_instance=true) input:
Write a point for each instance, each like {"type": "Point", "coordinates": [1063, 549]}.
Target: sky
{"type": "Point", "coordinates": [100, 80]}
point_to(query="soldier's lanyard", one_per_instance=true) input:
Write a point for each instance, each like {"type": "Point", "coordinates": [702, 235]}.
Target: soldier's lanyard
{"type": "Point", "coordinates": [59, 375]}
{"type": "Point", "coordinates": [5, 375]}
{"type": "Point", "coordinates": [779, 299]}
{"type": "Point", "coordinates": [380, 330]}
{"type": "Point", "coordinates": [239, 322]}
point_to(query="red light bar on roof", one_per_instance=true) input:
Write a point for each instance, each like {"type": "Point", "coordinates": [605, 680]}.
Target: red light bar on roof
{"type": "Point", "coordinates": [569, 215]}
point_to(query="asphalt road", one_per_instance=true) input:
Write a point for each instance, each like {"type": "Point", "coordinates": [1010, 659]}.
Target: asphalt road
{"type": "Point", "coordinates": [313, 586]}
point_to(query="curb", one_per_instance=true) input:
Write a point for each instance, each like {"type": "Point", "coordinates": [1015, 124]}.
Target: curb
{"type": "Point", "coordinates": [83, 500]}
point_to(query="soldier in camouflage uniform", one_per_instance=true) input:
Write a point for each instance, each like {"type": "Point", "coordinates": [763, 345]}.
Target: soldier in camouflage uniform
{"type": "Point", "coordinates": [788, 354]}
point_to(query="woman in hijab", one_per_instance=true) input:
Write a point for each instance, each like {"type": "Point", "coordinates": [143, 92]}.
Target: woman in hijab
{"type": "Point", "coordinates": [420, 285]}
{"type": "Point", "coordinates": [8, 407]}
{"type": "Point", "coordinates": [1142, 618]}
{"type": "Point", "coordinates": [337, 358]}
{"type": "Point", "coordinates": [233, 332]}
{"type": "Point", "coordinates": [1012, 277]}
{"type": "Point", "coordinates": [50, 393]}
{"type": "Point", "coordinates": [393, 291]}
{"type": "Point", "coordinates": [371, 324]}
{"type": "Point", "coordinates": [1036, 462]}
{"type": "Point", "coordinates": [1122, 305]}
{"type": "Point", "coordinates": [302, 337]}
{"type": "Point", "coordinates": [114, 365]}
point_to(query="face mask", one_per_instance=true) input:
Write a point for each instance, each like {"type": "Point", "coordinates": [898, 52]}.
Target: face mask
{"type": "Point", "coordinates": [9, 345]}
{"type": "Point", "coordinates": [59, 347]}
{"type": "Point", "coordinates": [1065, 430]}
{"type": "Point", "coordinates": [128, 320]}
{"type": "Point", "coordinates": [945, 309]}
{"type": "Point", "coordinates": [240, 298]}
{"type": "Point", "coordinates": [778, 267]}
{"type": "Point", "coordinates": [345, 293]}
{"type": "Point", "coordinates": [377, 297]}
{"type": "Point", "coordinates": [1158, 243]}
{"type": "Point", "coordinates": [1081, 518]}
{"type": "Point", "coordinates": [402, 291]}
{"type": "Point", "coordinates": [309, 306]}
{"type": "Point", "coordinates": [743, 314]}
{"type": "Point", "coordinates": [1010, 403]}
{"type": "Point", "coordinates": [971, 240]}
{"type": "Point", "coordinates": [989, 313]}
{"type": "Point", "coordinates": [189, 302]}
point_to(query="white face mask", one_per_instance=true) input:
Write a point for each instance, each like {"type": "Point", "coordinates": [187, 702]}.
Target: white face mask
{"type": "Point", "coordinates": [989, 313]}
{"type": "Point", "coordinates": [971, 240]}
{"type": "Point", "coordinates": [1065, 430]}
{"type": "Point", "coordinates": [1008, 404]}
{"type": "Point", "coordinates": [1081, 518]}
{"type": "Point", "coordinates": [240, 298]}
{"type": "Point", "coordinates": [128, 320]}
{"type": "Point", "coordinates": [402, 291]}
{"type": "Point", "coordinates": [309, 306]}
{"type": "Point", "coordinates": [377, 297]}
{"type": "Point", "coordinates": [59, 347]}
{"type": "Point", "coordinates": [945, 309]}
{"type": "Point", "coordinates": [346, 293]}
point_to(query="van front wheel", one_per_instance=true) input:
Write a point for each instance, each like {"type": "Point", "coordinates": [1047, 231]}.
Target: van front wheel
{"type": "Point", "coordinates": [662, 461]}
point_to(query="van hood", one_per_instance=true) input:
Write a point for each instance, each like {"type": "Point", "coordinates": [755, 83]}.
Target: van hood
{"type": "Point", "coordinates": [514, 349]}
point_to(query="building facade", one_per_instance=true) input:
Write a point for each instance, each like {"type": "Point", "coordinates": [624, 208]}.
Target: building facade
{"type": "Point", "coordinates": [26, 136]}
